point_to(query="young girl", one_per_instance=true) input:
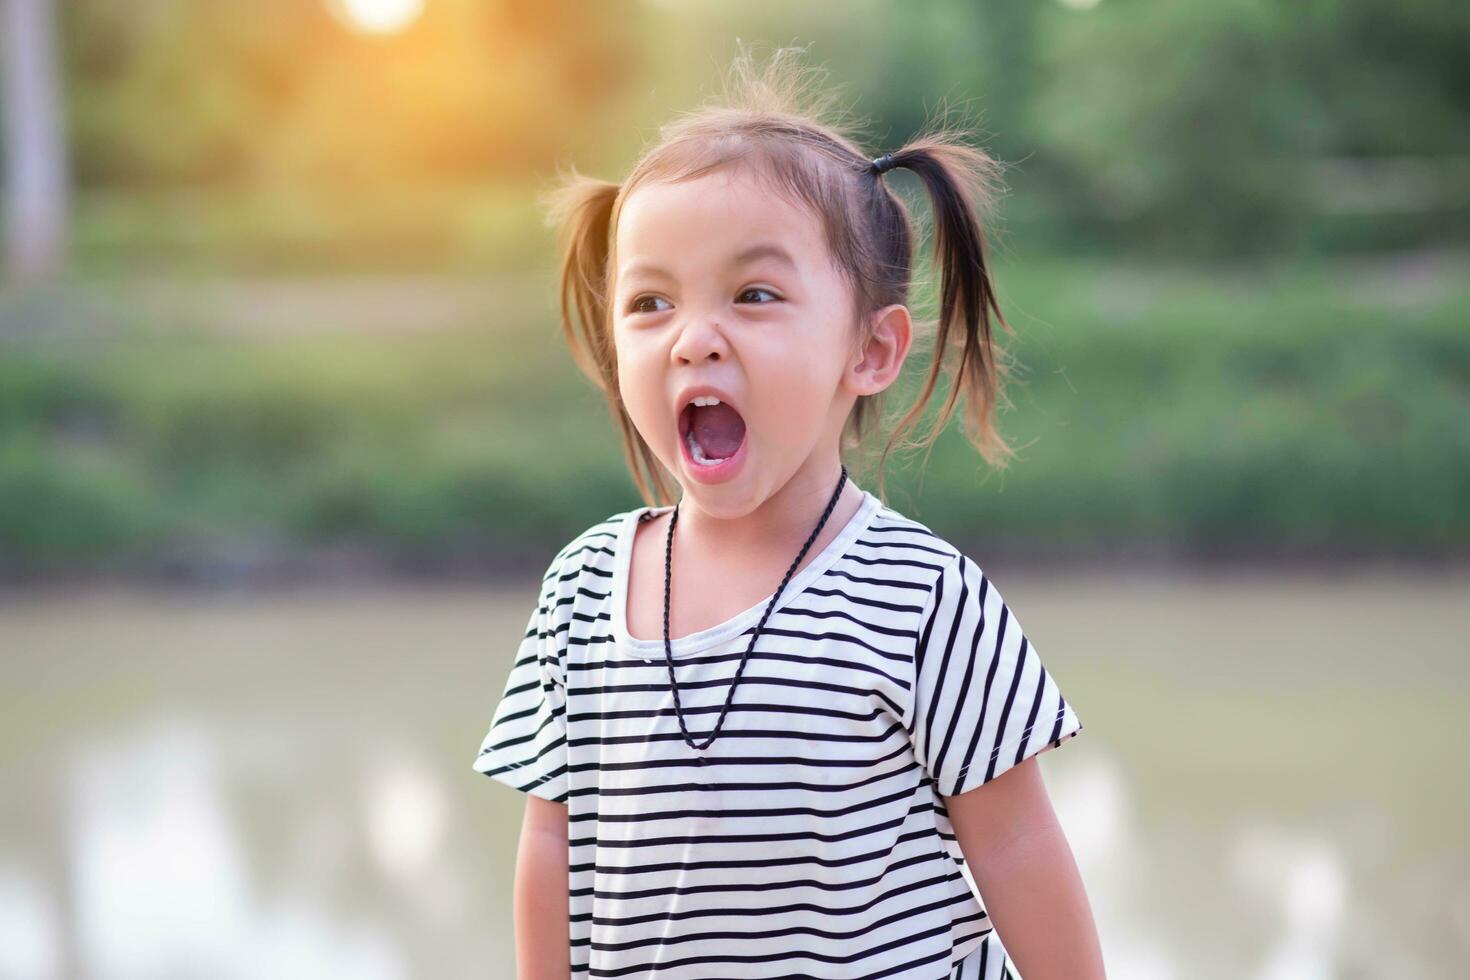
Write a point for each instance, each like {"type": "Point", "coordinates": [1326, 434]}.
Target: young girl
{"type": "Point", "coordinates": [766, 728]}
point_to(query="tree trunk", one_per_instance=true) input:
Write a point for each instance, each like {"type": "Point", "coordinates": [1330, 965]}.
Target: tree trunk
{"type": "Point", "coordinates": [34, 205]}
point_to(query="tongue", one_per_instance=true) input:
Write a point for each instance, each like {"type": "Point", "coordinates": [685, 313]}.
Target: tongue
{"type": "Point", "coordinates": [718, 429]}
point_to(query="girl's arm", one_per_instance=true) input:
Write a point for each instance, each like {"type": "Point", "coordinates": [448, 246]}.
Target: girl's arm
{"type": "Point", "coordinates": [543, 936]}
{"type": "Point", "coordinates": [1027, 877]}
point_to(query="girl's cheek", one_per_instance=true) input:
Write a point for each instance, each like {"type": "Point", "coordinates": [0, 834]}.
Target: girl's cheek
{"type": "Point", "coordinates": [640, 399]}
{"type": "Point", "coordinates": [778, 415]}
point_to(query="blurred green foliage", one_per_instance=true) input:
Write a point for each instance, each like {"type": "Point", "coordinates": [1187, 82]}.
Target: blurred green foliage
{"type": "Point", "coordinates": [1269, 408]}
{"type": "Point", "coordinates": [1225, 128]}
{"type": "Point", "coordinates": [1208, 366]}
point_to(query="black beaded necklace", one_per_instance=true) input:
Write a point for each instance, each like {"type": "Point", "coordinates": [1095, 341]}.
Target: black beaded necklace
{"type": "Point", "coordinates": [668, 646]}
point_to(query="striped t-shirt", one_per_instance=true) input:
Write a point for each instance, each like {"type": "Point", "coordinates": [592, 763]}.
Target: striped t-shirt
{"type": "Point", "coordinates": [811, 839]}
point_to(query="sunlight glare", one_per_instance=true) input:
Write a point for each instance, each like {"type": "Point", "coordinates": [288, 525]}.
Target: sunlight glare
{"type": "Point", "coordinates": [378, 16]}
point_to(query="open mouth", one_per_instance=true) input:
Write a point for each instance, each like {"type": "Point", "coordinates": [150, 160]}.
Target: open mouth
{"type": "Point", "coordinates": [712, 433]}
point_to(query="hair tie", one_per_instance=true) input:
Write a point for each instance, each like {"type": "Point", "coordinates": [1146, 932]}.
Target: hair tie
{"type": "Point", "coordinates": [883, 164]}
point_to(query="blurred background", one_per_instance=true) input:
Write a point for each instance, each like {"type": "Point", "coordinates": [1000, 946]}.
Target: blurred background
{"type": "Point", "coordinates": [279, 364]}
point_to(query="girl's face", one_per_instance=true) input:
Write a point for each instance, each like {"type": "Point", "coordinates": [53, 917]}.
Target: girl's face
{"type": "Point", "coordinates": [720, 282]}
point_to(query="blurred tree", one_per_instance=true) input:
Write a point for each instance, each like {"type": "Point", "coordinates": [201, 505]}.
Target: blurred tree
{"type": "Point", "coordinates": [1183, 131]}
{"type": "Point", "coordinates": [1200, 127]}
{"type": "Point", "coordinates": [215, 91]}
{"type": "Point", "coordinates": [1235, 127]}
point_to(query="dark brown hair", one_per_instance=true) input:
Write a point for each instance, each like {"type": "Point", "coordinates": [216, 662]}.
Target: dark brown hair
{"type": "Point", "coordinates": [790, 136]}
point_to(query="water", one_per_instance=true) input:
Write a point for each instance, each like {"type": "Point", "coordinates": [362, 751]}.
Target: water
{"type": "Point", "coordinates": [278, 784]}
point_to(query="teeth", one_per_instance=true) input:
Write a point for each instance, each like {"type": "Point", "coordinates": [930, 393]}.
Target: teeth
{"type": "Point", "coordinates": [698, 453]}
{"type": "Point", "coordinates": [704, 400]}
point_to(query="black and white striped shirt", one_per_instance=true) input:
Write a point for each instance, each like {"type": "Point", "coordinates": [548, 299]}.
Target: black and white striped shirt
{"type": "Point", "coordinates": [811, 839]}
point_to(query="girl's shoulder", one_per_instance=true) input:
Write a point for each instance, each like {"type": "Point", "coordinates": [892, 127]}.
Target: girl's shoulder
{"type": "Point", "coordinates": [893, 528]}
{"type": "Point", "coordinates": [910, 552]}
{"type": "Point", "coordinates": [592, 549]}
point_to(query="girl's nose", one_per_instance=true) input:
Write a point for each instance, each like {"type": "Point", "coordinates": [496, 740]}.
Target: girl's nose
{"type": "Point", "coordinates": [698, 340]}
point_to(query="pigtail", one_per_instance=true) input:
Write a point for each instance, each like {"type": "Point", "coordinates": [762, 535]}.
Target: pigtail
{"type": "Point", "coordinates": [960, 180]}
{"type": "Point", "coordinates": [581, 209]}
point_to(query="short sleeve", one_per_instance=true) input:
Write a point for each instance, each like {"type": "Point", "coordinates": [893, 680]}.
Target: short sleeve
{"type": "Point", "coordinates": [982, 699]}
{"type": "Point", "coordinates": [526, 746]}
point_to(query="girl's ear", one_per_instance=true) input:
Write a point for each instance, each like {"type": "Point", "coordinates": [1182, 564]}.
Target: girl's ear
{"type": "Point", "coordinates": [881, 359]}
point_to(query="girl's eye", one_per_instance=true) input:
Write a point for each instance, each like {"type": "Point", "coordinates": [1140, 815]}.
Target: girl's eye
{"type": "Point", "coordinates": [637, 305]}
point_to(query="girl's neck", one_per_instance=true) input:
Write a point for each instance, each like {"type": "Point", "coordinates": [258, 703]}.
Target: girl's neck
{"type": "Point", "coordinates": [781, 523]}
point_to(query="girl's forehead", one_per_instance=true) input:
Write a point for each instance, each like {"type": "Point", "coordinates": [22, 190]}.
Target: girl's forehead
{"type": "Point", "coordinates": [722, 195]}
{"type": "Point", "coordinates": [722, 212]}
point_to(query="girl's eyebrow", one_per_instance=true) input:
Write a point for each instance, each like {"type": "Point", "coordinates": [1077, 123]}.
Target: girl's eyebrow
{"type": "Point", "coordinates": [761, 250]}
